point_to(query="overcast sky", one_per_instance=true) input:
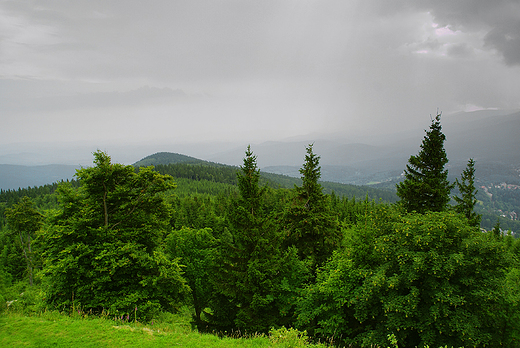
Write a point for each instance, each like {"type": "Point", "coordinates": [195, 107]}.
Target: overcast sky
{"type": "Point", "coordinates": [168, 71]}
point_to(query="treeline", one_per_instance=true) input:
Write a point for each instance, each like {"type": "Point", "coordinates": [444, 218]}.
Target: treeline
{"type": "Point", "coordinates": [216, 173]}
{"type": "Point", "coordinates": [42, 196]}
{"type": "Point", "coordinates": [222, 174]}
{"type": "Point", "coordinates": [253, 256]}
{"type": "Point", "coordinates": [9, 197]}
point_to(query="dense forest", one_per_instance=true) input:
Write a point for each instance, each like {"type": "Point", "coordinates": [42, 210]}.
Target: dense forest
{"type": "Point", "coordinates": [249, 252]}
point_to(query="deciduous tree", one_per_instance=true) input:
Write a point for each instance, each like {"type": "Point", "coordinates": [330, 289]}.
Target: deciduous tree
{"type": "Point", "coordinates": [103, 250]}
{"type": "Point", "coordinates": [24, 221]}
{"type": "Point", "coordinates": [196, 250]}
{"type": "Point", "coordinates": [429, 279]}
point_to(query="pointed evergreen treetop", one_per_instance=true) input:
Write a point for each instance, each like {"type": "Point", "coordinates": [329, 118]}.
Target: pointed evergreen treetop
{"type": "Point", "coordinates": [466, 203]}
{"type": "Point", "coordinates": [426, 186]}
{"type": "Point", "coordinates": [248, 179]}
{"type": "Point", "coordinates": [310, 191]}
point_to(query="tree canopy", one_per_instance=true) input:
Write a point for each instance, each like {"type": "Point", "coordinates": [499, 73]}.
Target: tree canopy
{"type": "Point", "coordinates": [248, 257]}
{"type": "Point", "coordinates": [24, 221]}
{"type": "Point", "coordinates": [313, 229]}
{"type": "Point", "coordinates": [467, 200]}
{"type": "Point", "coordinates": [426, 186]}
{"type": "Point", "coordinates": [103, 250]}
{"type": "Point", "coordinates": [429, 279]}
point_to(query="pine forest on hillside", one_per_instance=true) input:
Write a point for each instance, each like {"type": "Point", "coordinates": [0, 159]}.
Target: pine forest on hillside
{"type": "Point", "coordinates": [252, 252]}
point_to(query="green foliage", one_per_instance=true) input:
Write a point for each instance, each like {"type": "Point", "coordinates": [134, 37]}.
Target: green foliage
{"type": "Point", "coordinates": [102, 250]}
{"type": "Point", "coordinates": [426, 186]}
{"type": "Point", "coordinates": [12, 263]}
{"type": "Point", "coordinates": [199, 212]}
{"type": "Point", "coordinates": [429, 279]}
{"type": "Point", "coordinates": [13, 196]}
{"type": "Point", "coordinates": [200, 171]}
{"type": "Point", "coordinates": [312, 226]}
{"type": "Point", "coordinates": [22, 297]}
{"type": "Point", "coordinates": [353, 191]}
{"type": "Point", "coordinates": [189, 187]}
{"type": "Point", "coordinates": [196, 250]}
{"type": "Point", "coordinates": [288, 338]}
{"type": "Point", "coordinates": [165, 158]}
{"type": "Point", "coordinates": [262, 259]}
{"type": "Point", "coordinates": [243, 279]}
{"type": "Point", "coordinates": [212, 178]}
{"type": "Point", "coordinates": [254, 278]}
{"type": "Point", "coordinates": [466, 203]}
{"type": "Point", "coordinates": [24, 221]}
{"type": "Point", "coordinates": [497, 231]}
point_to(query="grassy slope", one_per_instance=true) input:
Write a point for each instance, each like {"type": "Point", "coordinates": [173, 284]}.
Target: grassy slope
{"type": "Point", "coordinates": [56, 330]}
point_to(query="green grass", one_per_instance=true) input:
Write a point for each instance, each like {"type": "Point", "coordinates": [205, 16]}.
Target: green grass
{"type": "Point", "coordinates": [52, 329]}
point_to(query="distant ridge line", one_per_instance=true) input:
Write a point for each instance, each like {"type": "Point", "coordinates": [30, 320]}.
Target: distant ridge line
{"type": "Point", "coordinates": [165, 158]}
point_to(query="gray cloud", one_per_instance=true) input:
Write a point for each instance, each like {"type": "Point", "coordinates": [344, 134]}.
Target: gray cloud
{"type": "Point", "coordinates": [499, 19]}
{"type": "Point", "coordinates": [506, 39]}
{"type": "Point", "coordinates": [145, 95]}
{"type": "Point", "coordinates": [460, 50]}
{"type": "Point", "coordinates": [266, 69]}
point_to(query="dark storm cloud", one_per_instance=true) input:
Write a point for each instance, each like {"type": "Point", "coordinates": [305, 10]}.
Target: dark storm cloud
{"type": "Point", "coordinates": [506, 39]}
{"type": "Point", "coordinates": [499, 19]}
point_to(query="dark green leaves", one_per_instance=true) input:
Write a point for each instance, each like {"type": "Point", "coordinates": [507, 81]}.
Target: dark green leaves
{"type": "Point", "coordinates": [466, 202]}
{"type": "Point", "coordinates": [427, 278]}
{"type": "Point", "coordinates": [103, 249]}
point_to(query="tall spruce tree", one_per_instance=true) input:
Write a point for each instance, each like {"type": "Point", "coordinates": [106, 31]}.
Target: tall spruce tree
{"type": "Point", "coordinates": [426, 186]}
{"type": "Point", "coordinates": [467, 200]}
{"type": "Point", "coordinates": [248, 265]}
{"type": "Point", "coordinates": [313, 229]}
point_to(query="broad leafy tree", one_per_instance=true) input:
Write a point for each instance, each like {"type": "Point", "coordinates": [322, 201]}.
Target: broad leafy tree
{"type": "Point", "coordinates": [196, 249]}
{"type": "Point", "coordinates": [103, 248]}
{"type": "Point", "coordinates": [24, 221]}
{"type": "Point", "coordinates": [429, 279]}
{"type": "Point", "coordinates": [467, 200]}
{"type": "Point", "coordinates": [426, 186]}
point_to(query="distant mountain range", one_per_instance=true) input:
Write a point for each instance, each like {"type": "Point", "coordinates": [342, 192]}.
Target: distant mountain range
{"type": "Point", "coordinates": [13, 176]}
{"type": "Point", "coordinates": [489, 136]}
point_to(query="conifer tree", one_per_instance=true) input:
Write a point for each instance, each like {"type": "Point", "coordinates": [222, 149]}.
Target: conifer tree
{"type": "Point", "coordinates": [248, 265]}
{"type": "Point", "coordinates": [466, 203]}
{"type": "Point", "coordinates": [497, 231]}
{"type": "Point", "coordinates": [313, 229]}
{"type": "Point", "coordinates": [426, 186]}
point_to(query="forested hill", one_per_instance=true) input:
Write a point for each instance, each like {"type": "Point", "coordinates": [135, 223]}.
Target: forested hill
{"type": "Point", "coordinates": [196, 176]}
{"type": "Point", "coordinates": [166, 158]}
{"type": "Point", "coordinates": [186, 167]}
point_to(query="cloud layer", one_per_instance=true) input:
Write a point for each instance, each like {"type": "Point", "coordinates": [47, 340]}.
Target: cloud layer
{"type": "Point", "coordinates": [256, 70]}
